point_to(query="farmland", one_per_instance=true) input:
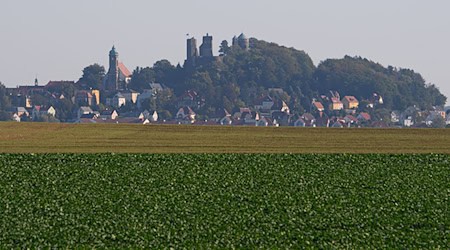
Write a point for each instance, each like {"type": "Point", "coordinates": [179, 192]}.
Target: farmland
{"type": "Point", "coordinates": [120, 138]}
{"type": "Point", "coordinates": [224, 201]}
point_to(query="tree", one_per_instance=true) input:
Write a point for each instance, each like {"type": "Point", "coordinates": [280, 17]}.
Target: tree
{"type": "Point", "coordinates": [5, 101]}
{"type": "Point", "coordinates": [141, 78]}
{"type": "Point", "coordinates": [93, 76]}
{"type": "Point", "coordinates": [5, 116]}
{"type": "Point", "coordinates": [65, 88]}
{"type": "Point", "coordinates": [224, 48]}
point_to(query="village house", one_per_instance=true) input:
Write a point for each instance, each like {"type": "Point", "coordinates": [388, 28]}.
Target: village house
{"type": "Point", "coordinates": [363, 117]}
{"type": "Point", "coordinates": [84, 110]}
{"type": "Point", "coordinates": [267, 122]}
{"type": "Point", "coordinates": [249, 118]}
{"type": "Point", "coordinates": [191, 98]}
{"type": "Point", "coordinates": [300, 122]}
{"type": "Point", "coordinates": [336, 104]}
{"type": "Point", "coordinates": [227, 120]}
{"type": "Point", "coordinates": [186, 115]}
{"type": "Point", "coordinates": [317, 107]}
{"type": "Point", "coordinates": [39, 111]}
{"type": "Point", "coordinates": [85, 98]}
{"type": "Point", "coordinates": [309, 119]}
{"type": "Point", "coordinates": [130, 96]}
{"type": "Point", "coordinates": [109, 114]}
{"type": "Point", "coordinates": [350, 102]}
{"type": "Point", "coordinates": [118, 100]}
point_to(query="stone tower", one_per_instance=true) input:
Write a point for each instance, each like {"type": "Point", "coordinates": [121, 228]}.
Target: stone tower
{"type": "Point", "coordinates": [192, 51]}
{"type": "Point", "coordinates": [112, 77]}
{"type": "Point", "coordinates": [242, 41]}
{"type": "Point", "coordinates": [206, 49]}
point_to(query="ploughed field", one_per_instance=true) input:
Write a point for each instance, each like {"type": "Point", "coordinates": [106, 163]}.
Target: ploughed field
{"type": "Point", "coordinates": [123, 138]}
{"type": "Point", "coordinates": [224, 201]}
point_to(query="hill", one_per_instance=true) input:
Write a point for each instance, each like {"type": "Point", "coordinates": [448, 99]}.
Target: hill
{"type": "Point", "coordinates": [240, 77]}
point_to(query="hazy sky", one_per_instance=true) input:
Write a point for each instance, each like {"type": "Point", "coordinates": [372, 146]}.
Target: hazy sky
{"type": "Point", "coordinates": [56, 39]}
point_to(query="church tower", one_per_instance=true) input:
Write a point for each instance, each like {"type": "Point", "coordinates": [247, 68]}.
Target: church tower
{"type": "Point", "coordinates": [112, 78]}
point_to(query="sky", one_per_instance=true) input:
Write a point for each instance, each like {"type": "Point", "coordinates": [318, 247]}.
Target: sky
{"type": "Point", "coordinates": [56, 39]}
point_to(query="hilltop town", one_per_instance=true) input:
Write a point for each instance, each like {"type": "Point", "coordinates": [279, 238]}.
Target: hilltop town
{"type": "Point", "coordinates": [250, 83]}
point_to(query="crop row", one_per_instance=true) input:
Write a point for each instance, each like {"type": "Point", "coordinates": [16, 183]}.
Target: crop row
{"type": "Point", "coordinates": [224, 201]}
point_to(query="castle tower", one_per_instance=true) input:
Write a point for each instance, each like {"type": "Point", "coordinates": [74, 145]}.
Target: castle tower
{"type": "Point", "coordinates": [192, 51]}
{"type": "Point", "coordinates": [243, 42]}
{"type": "Point", "coordinates": [206, 49]}
{"type": "Point", "coordinates": [112, 77]}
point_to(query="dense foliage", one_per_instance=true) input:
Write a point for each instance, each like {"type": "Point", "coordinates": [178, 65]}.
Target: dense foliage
{"type": "Point", "coordinates": [360, 77]}
{"type": "Point", "coordinates": [224, 201]}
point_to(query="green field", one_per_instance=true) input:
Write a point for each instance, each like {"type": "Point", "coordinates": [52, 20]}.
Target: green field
{"type": "Point", "coordinates": [224, 201]}
{"type": "Point", "coordinates": [119, 138]}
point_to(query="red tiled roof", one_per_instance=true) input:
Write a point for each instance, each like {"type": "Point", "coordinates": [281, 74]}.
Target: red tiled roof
{"type": "Point", "coordinates": [351, 99]}
{"type": "Point", "coordinates": [124, 70]}
{"type": "Point", "coordinates": [319, 105]}
{"type": "Point", "coordinates": [365, 116]}
{"type": "Point", "coordinates": [335, 100]}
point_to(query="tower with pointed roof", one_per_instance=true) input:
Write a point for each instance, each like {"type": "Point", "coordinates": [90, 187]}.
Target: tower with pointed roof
{"type": "Point", "coordinates": [118, 75]}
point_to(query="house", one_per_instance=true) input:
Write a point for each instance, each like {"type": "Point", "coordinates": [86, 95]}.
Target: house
{"type": "Point", "coordinates": [280, 106]}
{"type": "Point", "coordinates": [39, 111]}
{"type": "Point", "coordinates": [155, 88]}
{"type": "Point", "coordinates": [221, 113]}
{"type": "Point", "coordinates": [363, 117]}
{"type": "Point", "coordinates": [283, 118]}
{"type": "Point", "coordinates": [336, 104]}
{"type": "Point", "coordinates": [264, 103]}
{"type": "Point", "coordinates": [395, 116]}
{"type": "Point", "coordinates": [90, 116]}
{"type": "Point", "coordinates": [350, 120]}
{"type": "Point", "coordinates": [375, 100]}
{"type": "Point", "coordinates": [118, 100]}
{"type": "Point", "coordinates": [249, 118]}
{"type": "Point", "coordinates": [191, 98]}
{"type": "Point", "coordinates": [309, 119]}
{"type": "Point", "coordinates": [153, 117]}
{"type": "Point", "coordinates": [408, 121]}
{"type": "Point", "coordinates": [85, 98]}
{"type": "Point", "coordinates": [317, 106]}
{"type": "Point", "coordinates": [131, 96]}
{"type": "Point", "coordinates": [350, 102]}
{"type": "Point", "coordinates": [337, 124]}
{"type": "Point", "coordinates": [267, 122]}
{"type": "Point", "coordinates": [227, 120]}
{"type": "Point", "coordinates": [15, 117]}
{"type": "Point", "coordinates": [238, 114]}
{"type": "Point", "coordinates": [300, 122]}
{"type": "Point", "coordinates": [145, 96]}
{"type": "Point", "coordinates": [186, 114]}
{"type": "Point", "coordinates": [20, 111]}
{"type": "Point", "coordinates": [109, 114]}
{"type": "Point", "coordinates": [433, 115]}
{"type": "Point", "coordinates": [84, 110]}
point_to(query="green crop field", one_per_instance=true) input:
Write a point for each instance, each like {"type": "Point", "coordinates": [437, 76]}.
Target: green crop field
{"type": "Point", "coordinates": [122, 138]}
{"type": "Point", "coordinates": [224, 201]}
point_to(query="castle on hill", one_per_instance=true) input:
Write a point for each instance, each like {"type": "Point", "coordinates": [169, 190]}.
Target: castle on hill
{"type": "Point", "coordinates": [204, 54]}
